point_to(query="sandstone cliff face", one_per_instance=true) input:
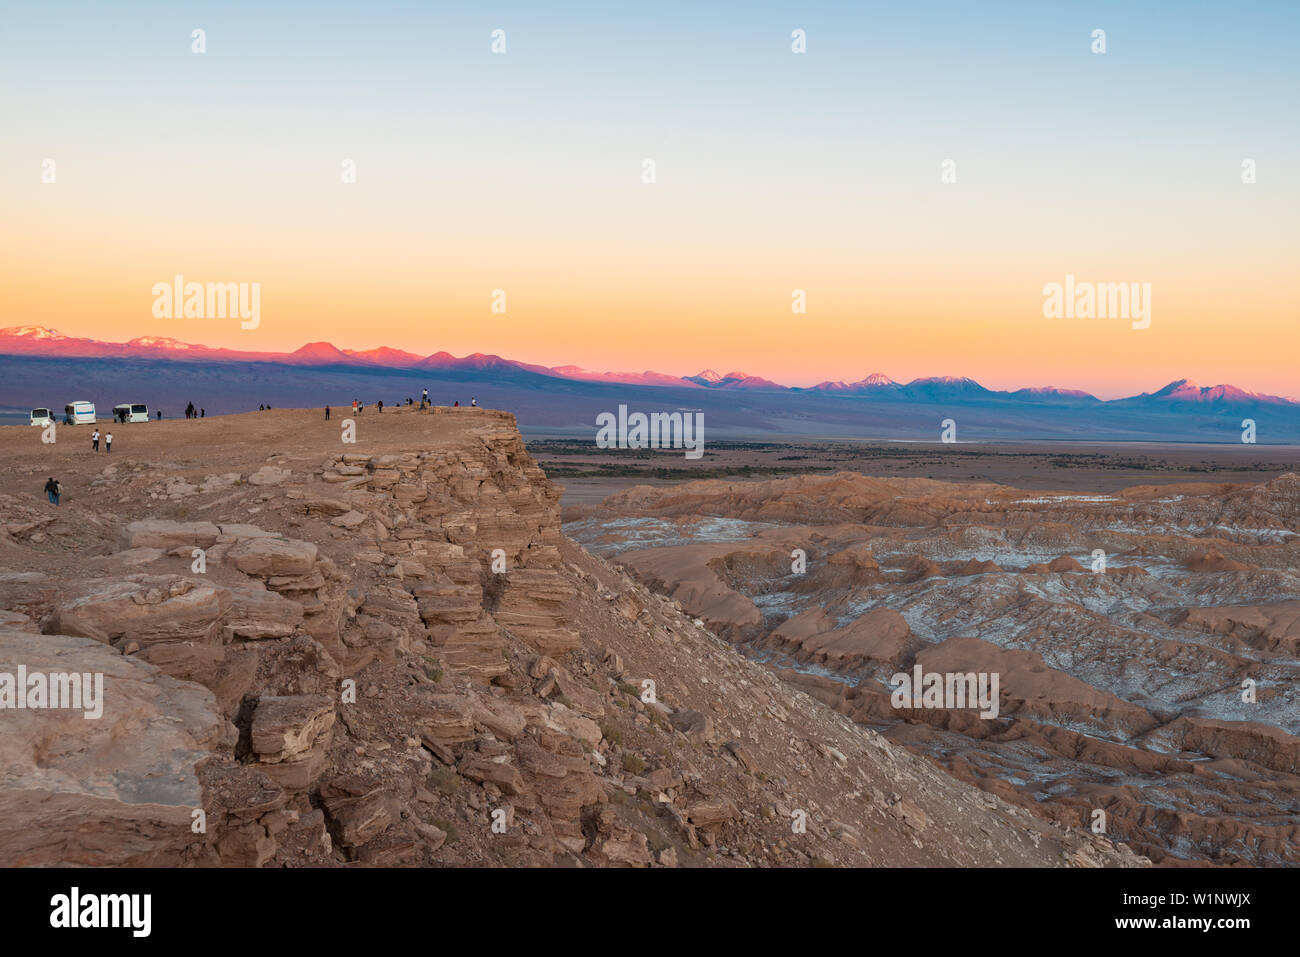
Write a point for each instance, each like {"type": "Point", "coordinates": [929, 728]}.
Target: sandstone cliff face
{"type": "Point", "coordinates": [1123, 689]}
{"type": "Point", "coordinates": [387, 652]}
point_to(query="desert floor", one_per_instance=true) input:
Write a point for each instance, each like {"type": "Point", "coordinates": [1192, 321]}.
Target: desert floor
{"type": "Point", "coordinates": [589, 474]}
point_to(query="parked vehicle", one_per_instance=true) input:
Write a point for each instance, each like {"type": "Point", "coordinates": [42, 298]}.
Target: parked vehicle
{"type": "Point", "coordinates": [79, 413]}
{"type": "Point", "coordinates": [42, 417]}
{"type": "Point", "coordinates": [131, 412]}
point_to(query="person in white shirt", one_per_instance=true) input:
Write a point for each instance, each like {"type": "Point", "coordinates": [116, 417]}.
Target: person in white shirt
{"type": "Point", "coordinates": [94, 441]}
{"type": "Point", "coordinates": [108, 442]}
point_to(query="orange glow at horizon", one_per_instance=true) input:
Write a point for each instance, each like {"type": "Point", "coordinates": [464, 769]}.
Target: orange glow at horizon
{"type": "Point", "coordinates": [906, 320]}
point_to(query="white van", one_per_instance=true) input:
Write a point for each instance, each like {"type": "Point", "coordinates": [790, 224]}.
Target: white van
{"type": "Point", "coordinates": [79, 413]}
{"type": "Point", "coordinates": [131, 412]}
{"type": "Point", "coordinates": [42, 417]}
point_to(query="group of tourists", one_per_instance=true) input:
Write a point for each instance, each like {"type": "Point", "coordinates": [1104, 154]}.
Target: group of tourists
{"type": "Point", "coordinates": [358, 406]}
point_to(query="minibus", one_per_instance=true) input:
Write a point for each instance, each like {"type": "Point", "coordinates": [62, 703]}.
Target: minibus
{"type": "Point", "coordinates": [79, 413]}
{"type": "Point", "coordinates": [131, 412]}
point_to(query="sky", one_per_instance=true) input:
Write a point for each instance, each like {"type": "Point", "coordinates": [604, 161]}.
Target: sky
{"type": "Point", "coordinates": [775, 171]}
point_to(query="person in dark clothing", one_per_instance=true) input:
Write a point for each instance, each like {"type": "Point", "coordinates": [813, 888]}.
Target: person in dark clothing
{"type": "Point", "coordinates": [261, 407]}
{"type": "Point", "coordinates": [327, 413]}
{"type": "Point", "coordinates": [202, 413]}
{"type": "Point", "coordinates": [52, 491]}
{"type": "Point", "coordinates": [380, 405]}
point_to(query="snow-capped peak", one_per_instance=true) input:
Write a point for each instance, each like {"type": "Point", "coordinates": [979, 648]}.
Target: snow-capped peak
{"type": "Point", "coordinates": [159, 342]}
{"type": "Point", "coordinates": [32, 332]}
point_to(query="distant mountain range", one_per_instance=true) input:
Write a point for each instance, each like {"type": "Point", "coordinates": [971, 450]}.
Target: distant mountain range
{"type": "Point", "coordinates": [165, 372]}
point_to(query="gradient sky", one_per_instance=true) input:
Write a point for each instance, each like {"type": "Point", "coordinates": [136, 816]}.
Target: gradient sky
{"type": "Point", "coordinates": [775, 171]}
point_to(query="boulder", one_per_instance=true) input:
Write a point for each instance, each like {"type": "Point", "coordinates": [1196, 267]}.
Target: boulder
{"type": "Point", "coordinates": [324, 505]}
{"type": "Point", "coordinates": [707, 811]}
{"type": "Point", "coordinates": [145, 610]}
{"type": "Point", "coordinates": [291, 737]}
{"type": "Point", "coordinates": [450, 719]}
{"type": "Point", "coordinates": [160, 533]}
{"type": "Point", "coordinates": [627, 847]}
{"type": "Point", "coordinates": [287, 728]}
{"type": "Point", "coordinates": [495, 770]}
{"type": "Point", "coordinates": [694, 724]}
{"type": "Point", "coordinates": [269, 475]}
{"type": "Point", "coordinates": [268, 557]}
{"type": "Point", "coordinates": [256, 614]}
{"type": "Point", "coordinates": [358, 810]}
{"type": "Point", "coordinates": [114, 791]}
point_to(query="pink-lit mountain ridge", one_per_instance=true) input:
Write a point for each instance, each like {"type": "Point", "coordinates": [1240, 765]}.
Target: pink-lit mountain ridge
{"type": "Point", "coordinates": [34, 340]}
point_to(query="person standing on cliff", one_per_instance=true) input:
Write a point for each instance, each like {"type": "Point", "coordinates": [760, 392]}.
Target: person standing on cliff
{"type": "Point", "coordinates": [327, 413]}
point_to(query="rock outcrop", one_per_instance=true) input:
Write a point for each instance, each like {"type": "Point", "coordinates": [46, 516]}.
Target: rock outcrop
{"type": "Point", "coordinates": [388, 653]}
